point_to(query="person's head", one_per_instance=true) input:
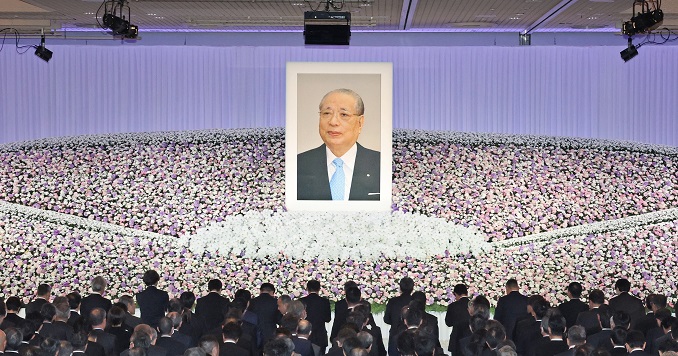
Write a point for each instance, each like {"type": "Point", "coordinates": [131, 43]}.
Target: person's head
{"type": "Point", "coordinates": [3, 341]}
{"type": "Point", "coordinates": [141, 339]}
{"type": "Point", "coordinates": [243, 294]}
{"type": "Point", "coordinates": [13, 304]}
{"type": "Point", "coordinates": [635, 340]}
{"type": "Point", "coordinates": [655, 302]}
{"type": "Point", "coordinates": [48, 312]}
{"type": "Point", "coordinates": [506, 350]}
{"type": "Point", "coordinates": [576, 335]}
{"type": "Point", "coordinates": [460, 290]}
{"type": "Point", "coordinates": [137, 351]}
{"type": "Point", "coordinates": [279, 346]}
{"type": "Point", "coordinates": [79, 340]}
{"type": "Point", "coordinates": [596, 298]}
{"type": "Point", "coordinates": [574, 290]}
{"type": "Point", "coordinates": [174, 305]}
{"type": "Point", "coordinates": [405, 343]}
{"type": "Point", "coordinates": [412, 317]}
{"type": "Point", "coordinates": [313, 286]}
{"type": "Point", "coordinates": [348, 285]}
{"type": "Point", "coordinates": [74, 300]}
{"type": "Point", "coordinates": [98, 284]}
{"type": "Point", "coordinates": [176, 319]}
{"type": "Point", "coordinates": [477, 322]}
{"type": "Point", "coordinates": [512, 285]}
{"type": "Point", "coordinates": [214, 285]}
{"type": "Point", "coordinates": [304, 328]}
{"type": "Point", "coordinates": [63, 311]}
{"type": "Point", "coordinates": [44, 291]}
{"type": "Point", "coordinates": [353, 295]}
{"type": "Point", "coordinates": [556, 325]}
{"type": "Point", "coordinates": [283, 302]}
{"type": "Point", "coordinates": [341, 120]}
{"type": "Point", "coordinates": [622, 285]}
{"type": "Point", "coordinates": [49, 346]}
{"type": "Point", "coordinates": [128, 301]}
{"type": "Point", "coordinates": [13, 337]}
{"type": "Point", "coordinates": [231, 331]}
{"type": "Point", "coordinates": [419, 297]}
{"type": "Point", "coordinates": [496, 334]}
{"type": "Point", "coordinates": [297, 308]}
{"type": "Point", "coordinates": [344, 333]}
{"type": "Point", "coordinates": [366, 339]}
{"type": "Point", "coordinates": [209, 344]}
{"type": "Point", "coordinates": [618, 336]}
{"type": "Point", "coordinates": [267, 288]}
{"type": "Point", "coordinates": [667, 345]}
{"type": "Point", "coordinates": [350, 344]}
{"type": "Point", "coordinates": [479, 306]}
{"type": "Point", "coordinates": [406, 285]}
{"type": "Point", "coordinates": [148, 330]}
{"type": "Point", "coordinates": [151, 278]}
{"type": "Point", "coordinates": [64, 349]}
{"type": "Point", "coordinates": [187, 300]}
{"type": "Point", "coordinates": [606, 315]}
{"type": "Point", "coordinates": [620, 319]}
{"type": "Point", "coordinates": [165, 326]}
{"type": "Point", "coordinates": [358, 318]}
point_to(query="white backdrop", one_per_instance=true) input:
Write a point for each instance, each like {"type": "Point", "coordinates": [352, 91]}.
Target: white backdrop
{"type": "Point", "coordinates": [557, 91]}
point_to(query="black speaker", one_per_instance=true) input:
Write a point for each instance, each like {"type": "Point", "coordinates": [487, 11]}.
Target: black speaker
{"type": "Point", "coordinates": [327, 28]}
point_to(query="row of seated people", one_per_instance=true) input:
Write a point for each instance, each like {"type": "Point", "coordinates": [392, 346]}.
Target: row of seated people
{"type": "Point", "coordinates": [519, 324]}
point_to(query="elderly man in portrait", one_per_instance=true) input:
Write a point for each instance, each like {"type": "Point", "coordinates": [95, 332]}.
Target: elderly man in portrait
{"type": "Point", "coordinates": [341, 168]}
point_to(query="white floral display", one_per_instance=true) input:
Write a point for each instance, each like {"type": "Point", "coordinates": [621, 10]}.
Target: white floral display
{"type": "Point", "coordinates": [362, 236]}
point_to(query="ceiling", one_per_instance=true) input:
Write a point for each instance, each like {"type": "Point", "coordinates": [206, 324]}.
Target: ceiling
{"type": "Point", "coordinates": [367, 15]}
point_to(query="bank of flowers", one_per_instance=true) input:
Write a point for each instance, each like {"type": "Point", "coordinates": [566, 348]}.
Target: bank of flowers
{"type": "Point", "coordinates": [505, 186]}
{"type": "Point", "coordinates": [40, 246]}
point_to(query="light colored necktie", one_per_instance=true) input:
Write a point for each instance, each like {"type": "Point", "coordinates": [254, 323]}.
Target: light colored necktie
{"type": "Point", "coordinates": [337, 181]}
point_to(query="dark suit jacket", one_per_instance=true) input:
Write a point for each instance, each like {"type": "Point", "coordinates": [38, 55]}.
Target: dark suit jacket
{"type": "Point", "coordinates": [303, 347]}
{"type": "Point", "coordinates": [378, 348]}
{"type": "Point", "coordinates": [639, 353]}
{"type": "Point", "coordinates": [550, 348]}
{"type": "Point", "coordinates": [393, 313]}
{"type": "Point", "coordinates": [122, 337]}
{"type": "Point", "coordinates": [571, 310]}
{"type": "Point", "coordinates": [645, 323]}
{"type": "Point", "coordinates": [212, 309]}
{"type": "Point", "coordinates": [92, 302]}
{"type": "Point", "coordinates": [132, 321]}
{"type": "Point", "coordinates": [152, 303]}
{"type": "Point", "coordinates": [94, 349]}
{"type": "Point", "coordinates": [318, 313]}
{"type": "Point", "coordinates": [601, 340]}
{"type": "Point", "coordinates": [153, 350]}
{"type": "Point", "coordinates": [312, 182]}
{"type": "Point", "coordinates": [174, 347]}
{"type": "Point", "coordinates": [590, 320]}
{"type": "Point", "coordinates": [628, 303]}
{"type": "Point", "coordinates": [231, 349]}
{"type": "Point", "coordinates": [651, 339]}
{"type": "Point", "coordinates": [33, 308]}
{"type": "Point", "coordinates": [340, 315]}
{"type": "Point", "coordinates": [527, 332]}
{"type": "Point", "coordinates": [74, 318]}
{"type": "Point", "coordinates": [194, 327]}
{"type": "Point", "coordinates": [456, 315]}
{"type": "Point", "coordinates": [57, 330]}
{"type": "Point", "coordinates": [12, 320]}
{"type": "Point", "coordinates": [266, 308]}
{"type": "Point", "coordinates": [510, 308]}
{"type": "Point", "coordinates": [568, 352]}
{"type": "Point", "coordinates": [619, 351]}
{"type": "Point", "coordinates": [107, 340]}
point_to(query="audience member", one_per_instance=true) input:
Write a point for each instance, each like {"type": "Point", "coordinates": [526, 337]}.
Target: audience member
{"type": "Point", "coordinates": [152, 301]}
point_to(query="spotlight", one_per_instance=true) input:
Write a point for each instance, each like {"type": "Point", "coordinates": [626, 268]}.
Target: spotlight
{"type": "Point", "coordinates": [629, 52]}
{"type": "Point", "coordinates": [645, 21]}
{"type": "Point", "coordinates": [43, 52]}
{"type": "Point", "coordinates": [120, 26]}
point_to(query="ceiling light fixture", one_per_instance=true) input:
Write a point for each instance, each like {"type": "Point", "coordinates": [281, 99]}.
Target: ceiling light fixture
{"type": "Point", "coordinates": [41, 51]}
{"type": "Point", "coordinates": [114, 19]}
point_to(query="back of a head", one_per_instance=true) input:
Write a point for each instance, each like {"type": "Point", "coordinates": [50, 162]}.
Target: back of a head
{"type": "Point", "coordinates": [98, 284]}
{"type": "Point", "coordinates": [141, 339]}
{"type": "Point", "coordinates": [635, 339]}
{"type": "Point", "coordinates": [540, 306]}
{"type": "Point", "coordinates": [289, 322]}
{"type": "Point", "coordinates": [506, 351]}
{"type": "Point", "coordinates": [424, 345]}
{"type": "Point", "coordinates": [460, 289]}
{"type": "Point", "coordinates": [480, 301]}
{"type": "Point", "coordinates": [313, 286]}
{"type": "Point", "coordinates": [413, 317]}
{"type": "Point", "coordinates": [195, 351]}
{"type": "Point", "coordinates": [151, 277]}
{"type": "Point", "coordinates": [353, 295]}
{"type": "Point", "coordinates": [44, 289]}
{"type": "Point", "coordinates": [304, 327]}
{"type": "Point", "coordinates": [187, 300]}
{"type": "Point", "coordinates": [214, 285]}
{"type": "Point", "coordinates": [583, 349]}
{"type": "Point", "coordinates": [128, 300]}
{"type": "Point", "coordinates": [279, 347]}
{"type": "Point", "coordinates": [267, 288]}
{"type": "Point", "coordinates": [145, 328]}
{"type": "Point", "coordinates": [495, 334]}
{"type": "Point", "coordinates": [667, 345]}
{"type": "Point", "coordinates": [345, 333]}
{"type": "Point", "coordinates": [175, 305]}
{"type": "Point", "coordinates": [576, 335]}
{"type": "Point", "coordinates": [65, 348]}
{"type": "Point", "coordinates": [606, 315]}
{"type": "Point", "coordinates": [137, 351]}
{"type": "Point", "coordinates": [350, 344]}
{"type": "Point", "coordinates": [49, 346]}
{"type": "Point", "coordinates": [14, 337]}
{"type": "Point", "coordinates": [358, 351]}
{"type": "Point", "coordinates": [512, 284]}
{"type": "Point", "coordinates": [232, 331]}
{"type": "Point", "coordinates": [349, 284]}
{"type": "Point", "coordinates": [357, 318]}
{"type": "Point", "coordinates": [618, 336]}
{"type": "Point", "coordinates": [482, 310]}
{"type": "Point", "coordinates": [79, 340]}
{"type": "Point", "coordinates": [597, 297]}
{"type": "Point", "coordinates": [405, 343]}
{"type": "Point", "coordinates": [97, 316]}
{"type": "Point", "coordinates": [31, 350]}
{"type": "Point", "coordinates": [208, 343]}
{"type": "Point", "coordinates": [557, 325]}
{"type": "Point", "coordinates": [366, 339]}
{"type": "Point", "coordinates": [243, 294]}
{"type": "Point", "coordinates": [165, 326]}
{"type": "Point", "coordinates": [420, 297]}
{"type": "Point", "coordinates": [48, 311]}
{"type": "Point", "coordinates": [575, 289]}
{"type": "Point", "coordinates": [477, 322]}
{"type": "Point", "coordinates": [63, 310]}
{"type": "Point", "coordinates": [116, 316]}
{"type": "Point", "coordinates": [406, 285]}
{"type": "Point", "coordinates": [296, 308]}
{"type": "Point", "coordinates": [623, 285]}
{"type": "Point", "coordinates": [13, 304]}
{"type": "Point", "coordinates": [621, 319]}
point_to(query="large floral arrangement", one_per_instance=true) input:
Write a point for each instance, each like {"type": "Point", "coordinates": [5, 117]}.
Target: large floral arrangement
{"type": "Point", "coordinates": [553, 210]}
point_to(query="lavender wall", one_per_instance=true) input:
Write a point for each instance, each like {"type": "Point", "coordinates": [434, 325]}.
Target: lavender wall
{"type": "Point", "coordinates": [104, 87]}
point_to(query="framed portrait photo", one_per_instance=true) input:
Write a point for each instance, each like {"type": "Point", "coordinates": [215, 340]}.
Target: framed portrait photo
{"type": "Point", "coordinates": [338, 136]}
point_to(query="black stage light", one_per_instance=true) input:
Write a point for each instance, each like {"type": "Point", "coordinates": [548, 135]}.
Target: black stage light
{"type": "Point", "coordinates": [42, 52]}
{"type": "Point", "coordinates": [120, 26]}
{"type": "Point", "coordinates": [629, 52]}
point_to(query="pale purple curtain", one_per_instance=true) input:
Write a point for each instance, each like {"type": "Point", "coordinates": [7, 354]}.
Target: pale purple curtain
{"type": "Point", "coordinates": [555, 91]}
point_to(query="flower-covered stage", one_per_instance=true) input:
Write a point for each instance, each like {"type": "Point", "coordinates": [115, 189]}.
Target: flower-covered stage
{"type": "Point", "coordinates": [467, 208]}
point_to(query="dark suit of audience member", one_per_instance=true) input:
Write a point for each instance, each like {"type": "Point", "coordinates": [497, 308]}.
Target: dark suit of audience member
{"type": "Point", "coordinates": [302, 346]}
{"type": "Point", "coordinates": [93, 301]}
{"type": "Point", "coordinates": [619, 351]}
{"type": "Point", "coordinates": [212, 308]}
{"type": "Point", "coordinates": [511, 308]}
{"type": "Point", "coordinates": [266, 307]}
{"type": "Point", "coordinates": [551, 348]}
{"type": "Point", "coordinates": [153, 304]}
{"type": "Point", "coordinates": [107, 340]}
{"type": "Point", "coordinates": [229, 348]}
{"type": "Point", "coordinates": [456, 316]}
{"type": "Point", "coordinates": [173, 347]}
{"type": "Point", "coordinates": [33, 308]}
{"type": "Point", "coordinates": [153, 350]}
{"type": "Point", "coordinates": [590, 319]}
{"type": "Point", "coordinates": [57, 330]}
{"type": "Point", "coordinates": [122, 337]}
{"type": "Point", "coordinates": [395, 305]}
{"type": "Point", "coordinates": [626, 302]}
{"type": "Point", "coordinates": [340, 315]}
{"type": "Point", "coordinates": [94, 349]}
{"type": "Point", "coordinates": [318, 312]}
{"type": "Point", "coordinates": [571, 309]}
